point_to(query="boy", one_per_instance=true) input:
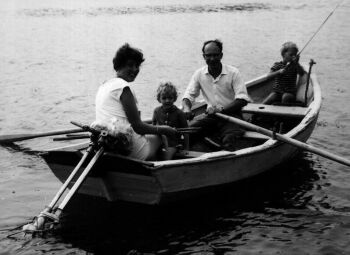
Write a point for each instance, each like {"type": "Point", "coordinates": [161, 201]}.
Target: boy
{"type": "Point", "coordinates": [168, 114]}
{"type": "Point", "coordinates": [284, 88]}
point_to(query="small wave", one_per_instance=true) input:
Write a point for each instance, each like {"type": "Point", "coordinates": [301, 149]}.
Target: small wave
{"type": "Point", "coordinates": [44, 12]}
{"type": "Point", "coordinates": [156, 9]}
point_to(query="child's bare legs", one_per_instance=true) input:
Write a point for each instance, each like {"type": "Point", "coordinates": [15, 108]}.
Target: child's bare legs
{"type": "Point", "coordinates": [288, 98]}
{"type": "Point", "coordinates": [153, 145]}
{"type": "Point", "coordinates": [273, 97]}
{"type": "Point", "coordinates": [167, 152]}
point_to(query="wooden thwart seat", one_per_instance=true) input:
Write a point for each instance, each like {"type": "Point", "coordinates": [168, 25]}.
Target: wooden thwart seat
{"type": "Point", "coordinates": [276, 110]}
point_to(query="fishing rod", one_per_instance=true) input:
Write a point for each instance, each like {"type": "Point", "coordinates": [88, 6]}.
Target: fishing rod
{"type": "Point", "coordinates": [324, 22]}
{"type": "Point", "coordinates": [312, 37]}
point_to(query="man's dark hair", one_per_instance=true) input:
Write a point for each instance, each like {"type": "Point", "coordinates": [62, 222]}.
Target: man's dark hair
{"type": "Point", "coordinates": [216, 41]}
{"type": "Point", "coordinates": [125, 53]}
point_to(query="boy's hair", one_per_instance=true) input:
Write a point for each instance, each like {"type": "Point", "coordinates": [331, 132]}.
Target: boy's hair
{"type": "Point", "coordinates": [166, 88]}
{"type": "Point", "coordinates": [288, 45]}
{"type": "Point", "coordinates": [216, 41]}
{"type": "Point", "coordinates": [125, 53]}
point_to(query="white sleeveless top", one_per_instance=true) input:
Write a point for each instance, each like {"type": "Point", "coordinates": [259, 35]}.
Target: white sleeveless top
{"type": "Point", "coordinates": [110, 109]}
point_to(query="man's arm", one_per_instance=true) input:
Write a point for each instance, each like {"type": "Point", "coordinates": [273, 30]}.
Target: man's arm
{"type": "Point", "coordinates": [235, 107]}
{"type": "Point", "coordinates": [241, 95]}
{"type": "Point", "coordinates": [186, 107]}
{"type": "Point", "coordinates": [192, 91]}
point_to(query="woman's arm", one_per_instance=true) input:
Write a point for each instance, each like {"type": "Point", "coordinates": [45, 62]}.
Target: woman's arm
{"type": "Point", "coordinates": [154, 117]}
{"type": "Point", "coordinates": [128, 101]}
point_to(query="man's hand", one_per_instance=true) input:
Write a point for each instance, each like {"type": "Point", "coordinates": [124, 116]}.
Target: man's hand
{"type": "Point", "coordinates": [188, 113]}
{"type": "Point", "coordinates": [186, 108]}
{"type": "Point", "coordinates": [214, 109]}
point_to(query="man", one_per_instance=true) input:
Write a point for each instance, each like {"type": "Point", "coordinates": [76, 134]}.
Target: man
{"type": "Point", "coordinates": [224, 91]}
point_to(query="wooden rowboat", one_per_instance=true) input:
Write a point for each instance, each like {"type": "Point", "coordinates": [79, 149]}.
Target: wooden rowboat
{"type": "Point", "coordinates": [117, 177]}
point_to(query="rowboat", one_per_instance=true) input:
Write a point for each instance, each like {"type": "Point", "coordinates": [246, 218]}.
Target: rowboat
{"type": "Point", "coordinates": [120, 178]}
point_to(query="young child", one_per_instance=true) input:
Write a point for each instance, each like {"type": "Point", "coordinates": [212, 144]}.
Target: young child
{"type": "Point", "coordinates": [285, 87]}
{"type": "Point", "coordinates": [169, 114]}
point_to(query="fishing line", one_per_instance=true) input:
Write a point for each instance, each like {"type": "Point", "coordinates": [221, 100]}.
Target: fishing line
{"type": "Point", "coordinates": [324, 22]}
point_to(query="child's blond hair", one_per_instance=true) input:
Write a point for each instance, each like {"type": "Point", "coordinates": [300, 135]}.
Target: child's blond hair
{"type": "Point", "coordinates": [166, 88]}
{"type": "Point", "coordinates": [288, 45]}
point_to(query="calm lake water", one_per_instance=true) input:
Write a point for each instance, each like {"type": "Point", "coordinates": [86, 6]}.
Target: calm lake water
{"type": "Point", "coordinates": [54, 54]}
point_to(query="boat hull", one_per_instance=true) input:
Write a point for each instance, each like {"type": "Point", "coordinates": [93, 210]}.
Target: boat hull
{"type": "Point", "coordinates": [169, 183]}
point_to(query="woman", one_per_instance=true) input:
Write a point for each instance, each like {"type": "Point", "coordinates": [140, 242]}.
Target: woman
{"type": "Point", "coordinates": [116, 103]}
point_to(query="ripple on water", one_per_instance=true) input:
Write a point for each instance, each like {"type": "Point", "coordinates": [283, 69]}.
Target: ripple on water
{"type": "Point", "coordinates": [154, 9]}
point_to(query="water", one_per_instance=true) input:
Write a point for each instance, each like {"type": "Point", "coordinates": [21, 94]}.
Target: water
{"type": "Point", "coordinates": [55, 54]}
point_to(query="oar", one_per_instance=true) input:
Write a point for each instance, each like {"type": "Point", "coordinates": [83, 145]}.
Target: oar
{"type": "Point", "coordinates": [188, 130]}
{"type": "Point", "coordinates": [39, 222]}
{"type": "Point", "coordinates": [72, 137]}
{"type": "Point", "coordinates": [20, 137]}
{"type": "Point", "coordinates": [80, 181]}
{"type": "Point", "coordinates": [285, 139]}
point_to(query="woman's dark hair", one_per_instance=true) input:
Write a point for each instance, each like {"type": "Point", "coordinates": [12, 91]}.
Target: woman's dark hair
{"type": "Point", "coordinates": [125, 53]}
{"type": "Point", "coordinates": [168, 89]}
{"type": "Point", "coordinates": [216, 41]}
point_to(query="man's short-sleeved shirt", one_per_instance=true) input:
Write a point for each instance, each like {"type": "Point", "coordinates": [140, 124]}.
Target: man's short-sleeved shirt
{"type": "Point", "coordinates": [221, 91]}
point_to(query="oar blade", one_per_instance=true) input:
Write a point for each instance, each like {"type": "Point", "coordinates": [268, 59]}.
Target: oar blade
{"type": "Point", "coordinates": [7, 139]}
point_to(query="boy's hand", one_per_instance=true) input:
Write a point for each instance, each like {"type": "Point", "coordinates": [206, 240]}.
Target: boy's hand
{"type": "Point", "coordinates": [282, 71]}
{"type": "Point", "coordinates": [295, 59]}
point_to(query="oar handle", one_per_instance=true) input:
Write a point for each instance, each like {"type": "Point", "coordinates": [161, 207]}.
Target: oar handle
{"type": "Point", "coordinates": [82, 126]}
{"type": "Point", "coordinates": [188, 130]}
{"type": "Point", "coordinates": [71, 137]}
{"type": "Point", "coordinates": [87, 128]}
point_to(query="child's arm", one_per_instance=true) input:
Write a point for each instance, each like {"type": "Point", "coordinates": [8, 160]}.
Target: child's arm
{"type": "Point", "coordinates": [277, 69]}
{"type": "Point", "coordinates": [276, 66]}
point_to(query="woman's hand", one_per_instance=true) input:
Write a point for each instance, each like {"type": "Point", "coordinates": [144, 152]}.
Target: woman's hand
{"type": "Point", "coordinates": [168, 131]}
